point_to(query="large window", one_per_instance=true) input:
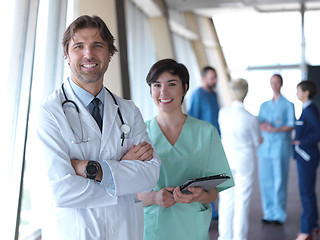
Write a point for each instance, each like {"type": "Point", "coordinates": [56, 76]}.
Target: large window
{"type": "Point", "coordinates": [312, 35]}
{"type": "Point", "coordinates": [42, 84]}
{"type": "Point", "coordinates": [32, 65]}
{"type": "Point", "coordinates": [47, 74]}
{"type": "Point", "coordinates": [259, 39]}
{"type": "Point", "coordinates": [7, 17]}
{"type": "Point", "coordinates": [270, 44]}
{"type": "Point", "coordinates": [185, 54]}
{"type": "Point", "coordinates": [141, 57]}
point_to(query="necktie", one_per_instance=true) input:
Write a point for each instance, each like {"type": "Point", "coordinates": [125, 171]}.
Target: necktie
{"type": "Point", "coordinates": [96, 112]}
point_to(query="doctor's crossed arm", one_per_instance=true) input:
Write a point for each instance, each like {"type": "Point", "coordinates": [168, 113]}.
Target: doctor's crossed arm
{"type": "Point", "coordinates": [142, 152]}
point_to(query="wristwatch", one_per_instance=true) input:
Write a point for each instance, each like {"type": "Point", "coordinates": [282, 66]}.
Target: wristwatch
{"type": "Point", "coordinates": [92, 169]}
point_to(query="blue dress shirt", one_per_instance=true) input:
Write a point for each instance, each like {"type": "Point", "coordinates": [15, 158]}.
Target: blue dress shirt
{"type": "Point", "coordinates": [86, 98]}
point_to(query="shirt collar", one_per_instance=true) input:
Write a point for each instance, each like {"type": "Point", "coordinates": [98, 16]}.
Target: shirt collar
{"type": "Point", "coordinates": [84, 96]}
{"type": "Point", "coordinates": [237, 103]}
{"type": "Point", "coordinates": [306, 104]}
{"type": "Point", "coordinates": [204, 90]}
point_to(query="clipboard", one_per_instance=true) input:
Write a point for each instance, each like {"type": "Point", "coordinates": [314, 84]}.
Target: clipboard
{"type": "Point", "coordinates": [207, 183]}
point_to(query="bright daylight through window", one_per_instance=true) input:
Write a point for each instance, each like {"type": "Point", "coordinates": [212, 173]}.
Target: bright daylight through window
{"type": "Point", "coordinates": [250, 47]}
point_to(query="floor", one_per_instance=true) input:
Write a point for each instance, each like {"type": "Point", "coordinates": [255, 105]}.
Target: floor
{"type": "Point", "coordinates": [289, 230]}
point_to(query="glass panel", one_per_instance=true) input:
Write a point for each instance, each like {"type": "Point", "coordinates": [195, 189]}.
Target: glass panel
{"type": "Point", "coordinates": [140, 58]}
{"type": "Point", "coordinates": [249, 38]}
{"type": "Point", "coordinates": [185, 54]}
{"type": "Point", "coordinates": [312, 35]}
{"type": "Point", "coordinates": [34, 191]}
{"type": "Point", "coordinates": [6, 143]}
{"type": "Point", "coordinates": [29, 217]}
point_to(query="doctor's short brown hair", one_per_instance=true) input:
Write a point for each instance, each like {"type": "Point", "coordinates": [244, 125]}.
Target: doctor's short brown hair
{"type": "Point", "coordinates": [86, 21]}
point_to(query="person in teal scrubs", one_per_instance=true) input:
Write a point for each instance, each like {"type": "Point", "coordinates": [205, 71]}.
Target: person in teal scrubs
{"type": "Point", "coordinates": [277, 120]}
{"type": "Point", "coordinates": [188, 148]}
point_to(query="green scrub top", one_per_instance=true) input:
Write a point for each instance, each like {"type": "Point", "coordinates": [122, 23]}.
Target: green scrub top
{"type": "Point", "coordinates": [198, 152]}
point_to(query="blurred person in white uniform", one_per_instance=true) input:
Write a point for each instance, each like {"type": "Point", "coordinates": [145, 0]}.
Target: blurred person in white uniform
{"type": "Point", "coordinates": [96, 152]}
{"type": "Point", "coordinates": [240, 135]}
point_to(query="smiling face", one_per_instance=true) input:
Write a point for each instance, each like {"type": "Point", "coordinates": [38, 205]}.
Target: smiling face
{"type": "Point", "coordinates": [167, 92]}
{"type": "Point", "coordinates": [88, 57]}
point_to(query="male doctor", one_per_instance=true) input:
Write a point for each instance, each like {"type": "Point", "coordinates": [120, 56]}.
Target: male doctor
{"type": "Point", "coordinates": [97, 154]}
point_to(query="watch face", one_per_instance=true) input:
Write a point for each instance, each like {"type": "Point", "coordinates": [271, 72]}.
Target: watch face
{"type": "Point", "coordinates": [92, 169]}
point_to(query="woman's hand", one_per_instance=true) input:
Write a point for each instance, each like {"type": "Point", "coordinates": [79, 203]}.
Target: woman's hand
{"type": "Point", "coordinates": [187, 197]}
{"type": "Point", "coordinates": [197, 195]}
{"type": "Point", "coordinates": [163, 197]}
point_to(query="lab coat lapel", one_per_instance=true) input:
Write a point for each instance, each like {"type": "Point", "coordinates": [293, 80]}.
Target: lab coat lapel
{"type": "Point", "coordinates": [85, 115]}
{"type": "Point", "coordinates": [109, 118]}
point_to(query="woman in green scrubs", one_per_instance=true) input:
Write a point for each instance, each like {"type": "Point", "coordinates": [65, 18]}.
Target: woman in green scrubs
{"type": "Point", "coordinates": [188, 148]}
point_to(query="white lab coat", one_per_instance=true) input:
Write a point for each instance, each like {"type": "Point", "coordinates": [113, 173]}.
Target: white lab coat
{"type": "Point", "coordinates": [240, 135]}
{"type": "Point", "coordinates": [80, 208]}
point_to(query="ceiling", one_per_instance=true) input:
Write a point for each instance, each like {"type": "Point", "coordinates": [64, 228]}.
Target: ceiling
{"type": "Point", "coordinates": [259, 5]}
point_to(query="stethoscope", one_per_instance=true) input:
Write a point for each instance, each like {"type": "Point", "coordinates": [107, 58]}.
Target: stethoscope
{"type": "Point", "coordinates": [124, 128]}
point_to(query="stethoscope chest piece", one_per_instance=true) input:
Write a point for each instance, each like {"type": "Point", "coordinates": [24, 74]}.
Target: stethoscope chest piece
{"type": "Point", "coordinates": [125, 128]}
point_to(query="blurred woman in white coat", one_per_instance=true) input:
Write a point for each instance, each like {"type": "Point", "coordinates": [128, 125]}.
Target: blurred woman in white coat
{"type": "Point", "coordinates": [240, 136]}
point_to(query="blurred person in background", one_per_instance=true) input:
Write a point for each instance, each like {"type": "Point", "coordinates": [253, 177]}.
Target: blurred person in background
{"type": "Point", "coordinates": [240, 136]}
{"type": "Point", "coordinates": [204, 106]}
{"type": "Point", "coordinates": [276, 118]}
{"type": "Point", "coordinates": [307, 136]}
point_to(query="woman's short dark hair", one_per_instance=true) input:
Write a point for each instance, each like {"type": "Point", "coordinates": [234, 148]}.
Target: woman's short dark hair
{"type": "Point", "coordinates": [86, 21]}
{"type": "Point", "coordinates": [171, 66]}
{"type": "Point", "coordinates": [310, 86]}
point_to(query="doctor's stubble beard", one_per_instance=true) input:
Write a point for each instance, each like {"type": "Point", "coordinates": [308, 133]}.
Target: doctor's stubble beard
{"type": "Point", "coordinates": [84, 78]}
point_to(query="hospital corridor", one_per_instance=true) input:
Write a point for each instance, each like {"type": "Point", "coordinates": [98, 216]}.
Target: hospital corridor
{"type": "Point", "coordinates": [287, 231]}
{"type": "Point", "coordinates": [111, 105]}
